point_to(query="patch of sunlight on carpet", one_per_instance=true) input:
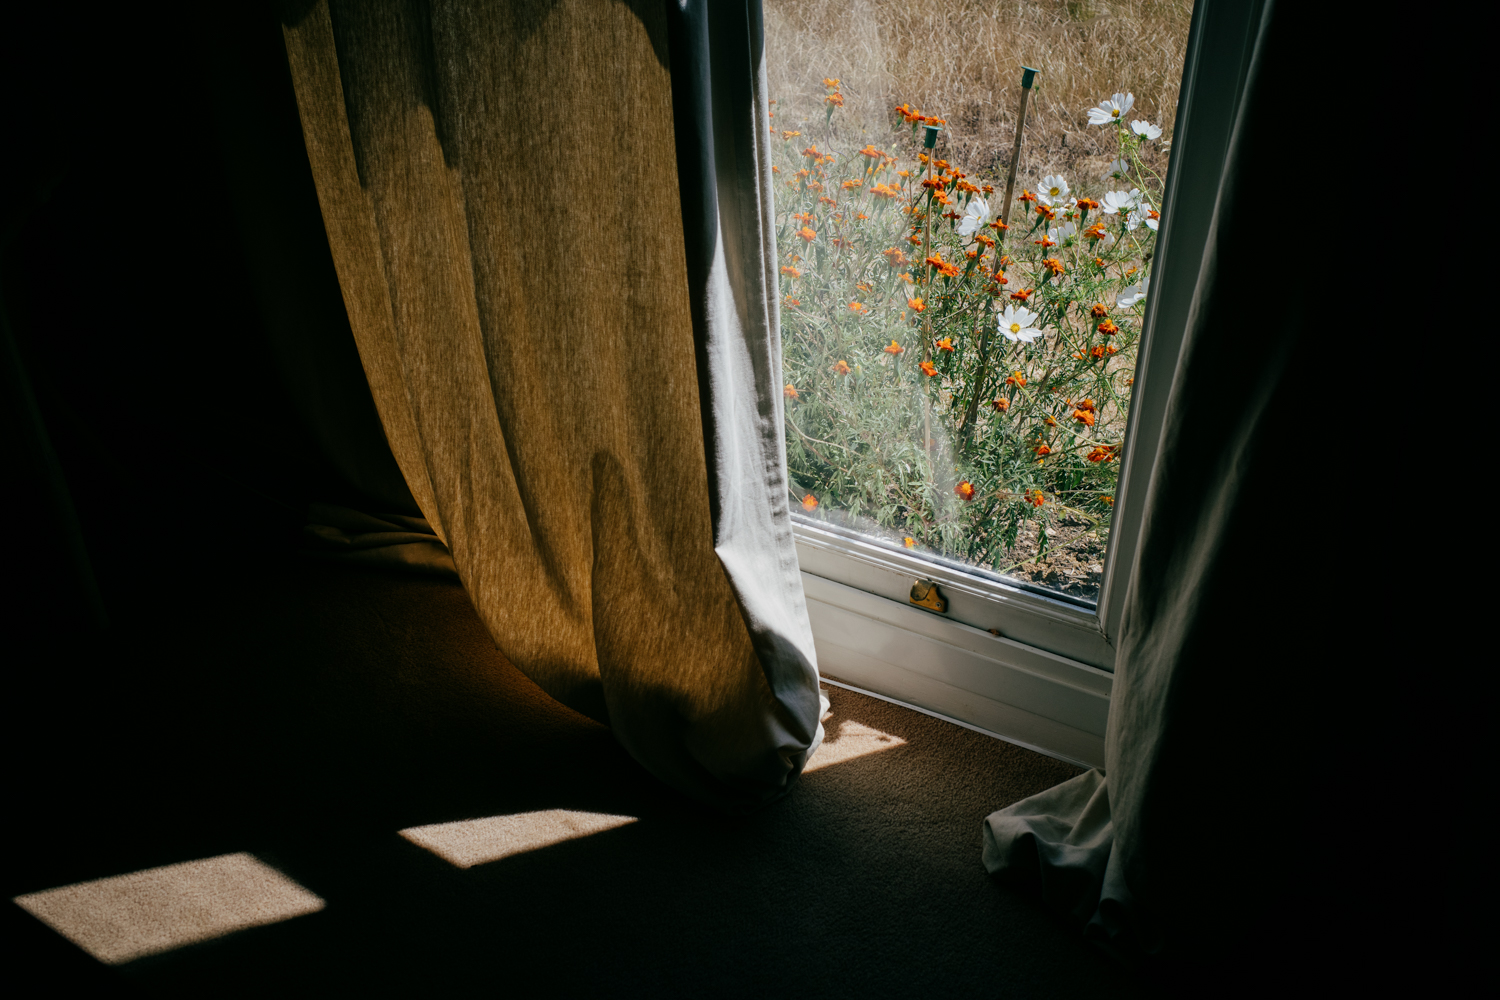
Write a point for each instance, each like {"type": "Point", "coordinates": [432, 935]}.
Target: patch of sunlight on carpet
{"type": "Point", "coordinates": [473, 842]}
{"type": "Point", "coordinates": [853, 739]}
{"type": "Point", "coordinates": [125, 917]}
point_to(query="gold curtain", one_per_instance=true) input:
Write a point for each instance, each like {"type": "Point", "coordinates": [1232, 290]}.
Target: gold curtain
{"type": "Point", "coordinates": [500, 190]}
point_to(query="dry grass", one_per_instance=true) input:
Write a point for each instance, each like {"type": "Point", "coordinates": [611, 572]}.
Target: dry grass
{"type": "Point", "coordinates": [962, 59]}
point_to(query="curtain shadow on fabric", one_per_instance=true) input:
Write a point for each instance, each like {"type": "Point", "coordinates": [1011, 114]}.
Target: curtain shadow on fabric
{"type": "Point", "coordinates": [1185, 851]}
{"type": "Point", "coordinates": [499, 184]}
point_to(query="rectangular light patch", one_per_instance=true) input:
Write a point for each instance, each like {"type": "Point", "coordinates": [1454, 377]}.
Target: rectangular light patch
{"type": "Point", "coordinates": [145, 913]}
{"type": "Point", "coordinates": [473, 842]}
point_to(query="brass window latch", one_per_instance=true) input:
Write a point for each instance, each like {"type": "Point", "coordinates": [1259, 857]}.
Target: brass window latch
{"type": "Point", "coordinates": [924, 594]}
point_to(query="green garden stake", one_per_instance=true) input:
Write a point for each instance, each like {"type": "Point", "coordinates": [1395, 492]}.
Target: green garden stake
{"type": "Point", "coordinates": [930, 139]}
{"type": "Point", "coordinates": [1028, 77]}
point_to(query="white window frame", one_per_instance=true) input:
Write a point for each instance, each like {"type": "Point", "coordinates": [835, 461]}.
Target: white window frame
{"type": "Point", "coordinates": [1008, 658]}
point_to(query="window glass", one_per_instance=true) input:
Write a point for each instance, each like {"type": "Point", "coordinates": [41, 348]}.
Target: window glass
{"type": "Point", "coordinates": [958, 368]}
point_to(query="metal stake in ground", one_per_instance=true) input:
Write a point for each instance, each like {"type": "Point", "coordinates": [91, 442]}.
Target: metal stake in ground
{"type": "Point", "coordinates": [929, 140]}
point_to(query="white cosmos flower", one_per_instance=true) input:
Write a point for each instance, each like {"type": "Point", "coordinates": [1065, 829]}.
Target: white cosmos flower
{"type": "Point", "coordinates": [1053, 191]}
{"type": "Point", "coordinates": [1140, 214]}
{"type": "Point", "coordinates": [974, 216]}
{"type": "Point", "coordinates": [1118, 169]}
{"type": "Point", "coordinates": [1133, 294]}
{"type": "Point", "coordinates": [1146, 130]}
{"type": "Point", "coordinates": [1119, 201]}
{"type": "Point", "coordinates": [1062, 232]}
{"type": "Point", "coordinates": [1017, 324]}
{"type": "Point", "coordinates": [1112, 110]}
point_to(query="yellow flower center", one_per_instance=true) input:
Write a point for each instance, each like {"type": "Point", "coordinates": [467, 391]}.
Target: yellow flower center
{"type": "Point", "coordinates": [1115, 113]}
{"type": "Point", "coordinates": [1015, 328]}
{"type": "Point", "coordinates": [1055, 192]}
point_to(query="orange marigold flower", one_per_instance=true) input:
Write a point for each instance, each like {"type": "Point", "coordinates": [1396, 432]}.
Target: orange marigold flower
{"type": "Point", "coordinates": [792, 302]}
{"type": "Point", "coordinates": [807, 234]}
{"type": "Point", "coordinates": [1111, 349]}
{"type": "Point", "coordinates": [1022, 294]}
{"type": "Point", "coordinates": [1000, 403]}
{"type": "Point", "coordinates": [946, 344]}
{"type": "Point", "coordinates": [1016, 379]}
{"type": "Point", "coordinates": [1053, 264]}
{"type": "Point", "coordinates": [1097, 455]}
{"type": "Point", "coordinates": [988, 241]}
{"type": "Point", "coordinates": [1108, 328]}
{"type": "Point", "coordinates": [1084, 417]}
{"type": "Point", "coordinates": [928, 369]}
{"type": "Point", "coordinates": [1049, 421]}
{"type": "Point", "coordinates": [1046, 212]}
{"type": "Point", "coordinates": [971, 254]}
{"type": "Point", "coordinates": [910, 542]}
{"type": "Point", "coordinates": [989, 189]}
{"type": "Point", "coordinates": [1045, 241]}
{"type": "Point", "coordinates": [1034, 497]}
{"type": "Point", "coordinates": [914, 240]}
{"type": "Point", "coordinates": [812, 151]}
{"type": "Point", "coordinates": [789, 392]}
{"type": "Point", "coordinates": [830, 82]}
{"type": "Point", "coordinates": [1099, 310]}
{"type": "Point", "coordinates": [1099, 261]}
{"type": "Point", "coordinates": [871, 151]}
{"type": "Point", "coordinates": [790, 134]}
{"type": "Point", "coordinates": [894, 257]}
{"type": "Point", "coordinates": [841, 368]}
{"type": "Point", "coordinates": [894, 349]}
{"type": "Point", "coordinates": [859, 307]}
{"type": "Point", "coordinates": [905, 277]}
{"type": "Point", "coordinates": [998, 226]}
{"type": "Point", "coordinates": [814, 185]}
{"type": "Point", "coordinates": [825, 200]}
{"type": "Point", "coordinates": [864, 286]}
{"type": "Point", "coordinates": [810, 502]}
{"type": "Point", "coordinates": [791, 272]}
{"type": "Point", "coordinates": [837, 100]}
{"type": "Point", "coordinates": [775, 169]}
{"type": "Point", "coordinates": [965, 489]}
{"type": "Point", "coordinates": [1099, 352]}
{"type": "Point", "coordinates": [1095, 232]}
{"type": "Point", "coordinates": [915, 305]}
{"type": "Point", "coordinates": [850, 185]}
{"type": "Point", "coordinates": [1087, 204]}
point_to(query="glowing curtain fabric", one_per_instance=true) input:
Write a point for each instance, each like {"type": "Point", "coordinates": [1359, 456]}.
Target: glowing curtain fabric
{"type": "Point", "coordinates": [500, 186]}
{"type": "Point", "coordinates": [1184, 846]}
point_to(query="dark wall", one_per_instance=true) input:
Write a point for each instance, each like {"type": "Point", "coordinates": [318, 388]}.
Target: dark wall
{"type": "Point", "coordinates": [180, 378]}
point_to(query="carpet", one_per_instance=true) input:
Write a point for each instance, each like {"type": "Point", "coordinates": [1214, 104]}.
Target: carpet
{"type": "Point", "coordinates": [299, 777]}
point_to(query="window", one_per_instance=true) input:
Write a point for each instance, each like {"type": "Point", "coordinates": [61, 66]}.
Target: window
{"type": "Point", "coordinates": [1006, 642]}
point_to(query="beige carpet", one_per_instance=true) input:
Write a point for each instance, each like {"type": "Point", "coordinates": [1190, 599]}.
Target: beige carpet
{"type": "Point", "coordinates": [321, 779]}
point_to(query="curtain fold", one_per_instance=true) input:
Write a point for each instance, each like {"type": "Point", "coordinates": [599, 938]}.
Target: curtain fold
{"type": "Point", "coordinates": [588, 421]}
{"type": "Point", "coordinates": [1185, 845]}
